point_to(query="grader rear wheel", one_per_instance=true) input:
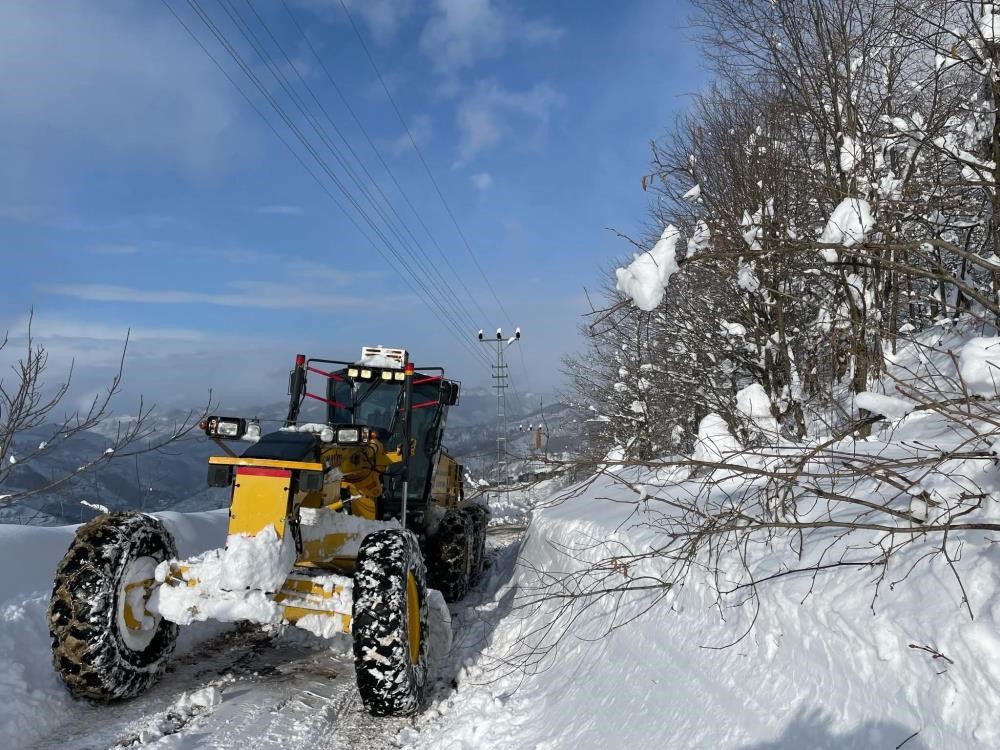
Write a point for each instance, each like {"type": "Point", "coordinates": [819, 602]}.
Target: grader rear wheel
{"type": "Point", "coordinates": [479, 517]}
{"type": "Point", "coordinates": [105, 645]}
{"type": "Point", "coordinates": [452, 555]}
{"type": "Point", "coordinates": [390, 623]}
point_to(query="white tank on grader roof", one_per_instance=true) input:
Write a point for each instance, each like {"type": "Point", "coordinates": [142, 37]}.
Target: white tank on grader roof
{"type": "Point", "coordinates": [383, 357]}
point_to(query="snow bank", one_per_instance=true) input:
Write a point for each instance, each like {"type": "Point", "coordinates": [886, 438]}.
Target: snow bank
{"type": "Point", "coordinates": [645, 278]}
{"type": "Point", "coordinates": [817, 670]}
{"type": "Point", "coordinates": [510, 507]}
{"type": "Point", "coordinates": [32, 697]}
{"type": "Point", "coordinates": [979, 365]}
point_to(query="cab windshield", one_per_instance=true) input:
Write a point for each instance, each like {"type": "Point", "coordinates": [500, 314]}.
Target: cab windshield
{"type": "Point", "coordinates": [375, 404]}
{"type": "Point", "coordinates": [378, 405]}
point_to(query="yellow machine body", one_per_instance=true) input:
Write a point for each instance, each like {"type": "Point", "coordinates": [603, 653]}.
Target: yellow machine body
{"type": "Point", "coordinates": [263, 496]}
{"type": "Point", "coordinates": [326, 507]}
{"type": "Point", "coordinates": [447, 488]}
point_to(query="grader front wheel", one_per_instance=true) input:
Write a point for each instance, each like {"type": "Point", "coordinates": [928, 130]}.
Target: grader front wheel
{"type": "Point", "coordinates": [390, 623]}
{"type": "Point", "coordinates": [105, 645]}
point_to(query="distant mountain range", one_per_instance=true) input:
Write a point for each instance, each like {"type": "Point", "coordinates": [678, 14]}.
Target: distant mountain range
{"type": "Point", "coordinates": [174, 478]}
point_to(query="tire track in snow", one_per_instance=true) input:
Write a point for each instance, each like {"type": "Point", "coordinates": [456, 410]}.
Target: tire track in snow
{"type": "Point", "coordinates": [269, 692]}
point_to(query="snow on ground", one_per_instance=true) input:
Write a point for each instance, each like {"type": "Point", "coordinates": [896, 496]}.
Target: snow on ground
{"type": "Point", "coordinates": [509, 508]}
{"type": "Point", "coordinates": [32, 698]}
{"type": "Point", "coordinates": [246, 688]}
{"type": "Point", "coordinates": [816, 671]}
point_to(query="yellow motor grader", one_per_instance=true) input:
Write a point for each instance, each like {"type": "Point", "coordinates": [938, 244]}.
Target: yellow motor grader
{"type": "Point", "coordinates": [337, 526]}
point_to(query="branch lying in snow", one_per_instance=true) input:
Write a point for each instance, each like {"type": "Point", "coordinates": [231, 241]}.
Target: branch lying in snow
{"type": "Point", "coordinates": [935, 654]}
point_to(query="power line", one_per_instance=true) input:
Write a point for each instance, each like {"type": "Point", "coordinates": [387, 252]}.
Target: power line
{"type": "Point", "coordinates": [423, 161]}
{"type": "Point", "coordinates": [283, 82]}
{"type": "Point", "coordinates": [381, 159]}
{"type": "Point", "coordinates": [440, 283]}
{"type": "Point", "coordinates": [304, 141]}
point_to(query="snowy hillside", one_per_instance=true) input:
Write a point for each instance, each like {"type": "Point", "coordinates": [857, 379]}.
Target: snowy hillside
{"type": "Point", "coordinates": [835, 592]}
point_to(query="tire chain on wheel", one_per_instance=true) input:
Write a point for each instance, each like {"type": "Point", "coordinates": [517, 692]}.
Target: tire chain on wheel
{"type": "Point", "coordinates": [478, 519]}
{"type": "Point", "coordinates": [88, 650]}
{"type": "Point", "coordinates": [389, 683]}
{"type": "Point", "coordinates": [450, 550]}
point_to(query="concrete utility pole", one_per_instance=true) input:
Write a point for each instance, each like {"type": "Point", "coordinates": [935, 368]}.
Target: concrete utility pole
{"type": "Point", "coordinates": [500, 377]}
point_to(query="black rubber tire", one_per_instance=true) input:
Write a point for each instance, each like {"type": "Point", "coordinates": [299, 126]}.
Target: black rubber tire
{"type": "Point", "coordinates": [89, 649]}
{"type": "Point", "coordinates": [479, 518]}
{"type": "Point", "coordinates": [451, 555]}
{"type": "Point", "coordinates": [390, 682]}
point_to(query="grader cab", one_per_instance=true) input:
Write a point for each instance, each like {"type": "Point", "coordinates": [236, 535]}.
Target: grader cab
{"type": "Point", "coordinates": [336, 526]}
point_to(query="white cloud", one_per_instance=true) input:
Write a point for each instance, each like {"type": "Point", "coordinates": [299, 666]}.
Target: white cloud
{"type": "Point", "coordinates": [49, 328]}
{"type": "Point", "coordinates": [482, 181]}
{"type": "Point", "coordinates": [252, 294]}
{"type": "Point", "coordinates": [462, 32]}
{"type": "Point", "coordinates": [382, 17]}
{"type": "Point", "coordinates": [484, 117]}
{"type": "Point", "coordinates": [420, 129]}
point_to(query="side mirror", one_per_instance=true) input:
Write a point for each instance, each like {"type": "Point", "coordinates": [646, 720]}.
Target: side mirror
{"type": "Point", "coordinates": [451, 390]}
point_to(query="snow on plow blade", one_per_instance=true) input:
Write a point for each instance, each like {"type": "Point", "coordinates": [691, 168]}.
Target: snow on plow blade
{"type": "Point", "coordinates": [252, 579]}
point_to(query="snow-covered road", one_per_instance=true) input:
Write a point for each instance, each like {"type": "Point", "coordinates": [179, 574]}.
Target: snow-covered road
{"type": "Point", "coordinates": [250, 688]}
{"type": "Point", "coordinates": [242, 689]}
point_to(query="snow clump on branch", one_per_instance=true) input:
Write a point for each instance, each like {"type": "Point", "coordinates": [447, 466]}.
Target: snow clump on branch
{"type": "Point", "coordinates": [887, 406]}
{"type": "Point", "coordinates": [849, 225]}
{"type": "Point", "coordinates": [645, 278]}
{"type": "Point", "coordinates": [714, 442]}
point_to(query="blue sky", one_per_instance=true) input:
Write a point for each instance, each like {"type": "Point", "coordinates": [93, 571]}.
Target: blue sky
{"type": "Point", "coordinates": [138, 189]}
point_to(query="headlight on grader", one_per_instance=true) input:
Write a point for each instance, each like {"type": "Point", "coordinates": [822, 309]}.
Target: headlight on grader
{"type": "Point", "coordinates": [224, 427]}
{"type": "Point", "coordinates": [351, 435]}
{"type": "Point", "coordinates": [231, 428]}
